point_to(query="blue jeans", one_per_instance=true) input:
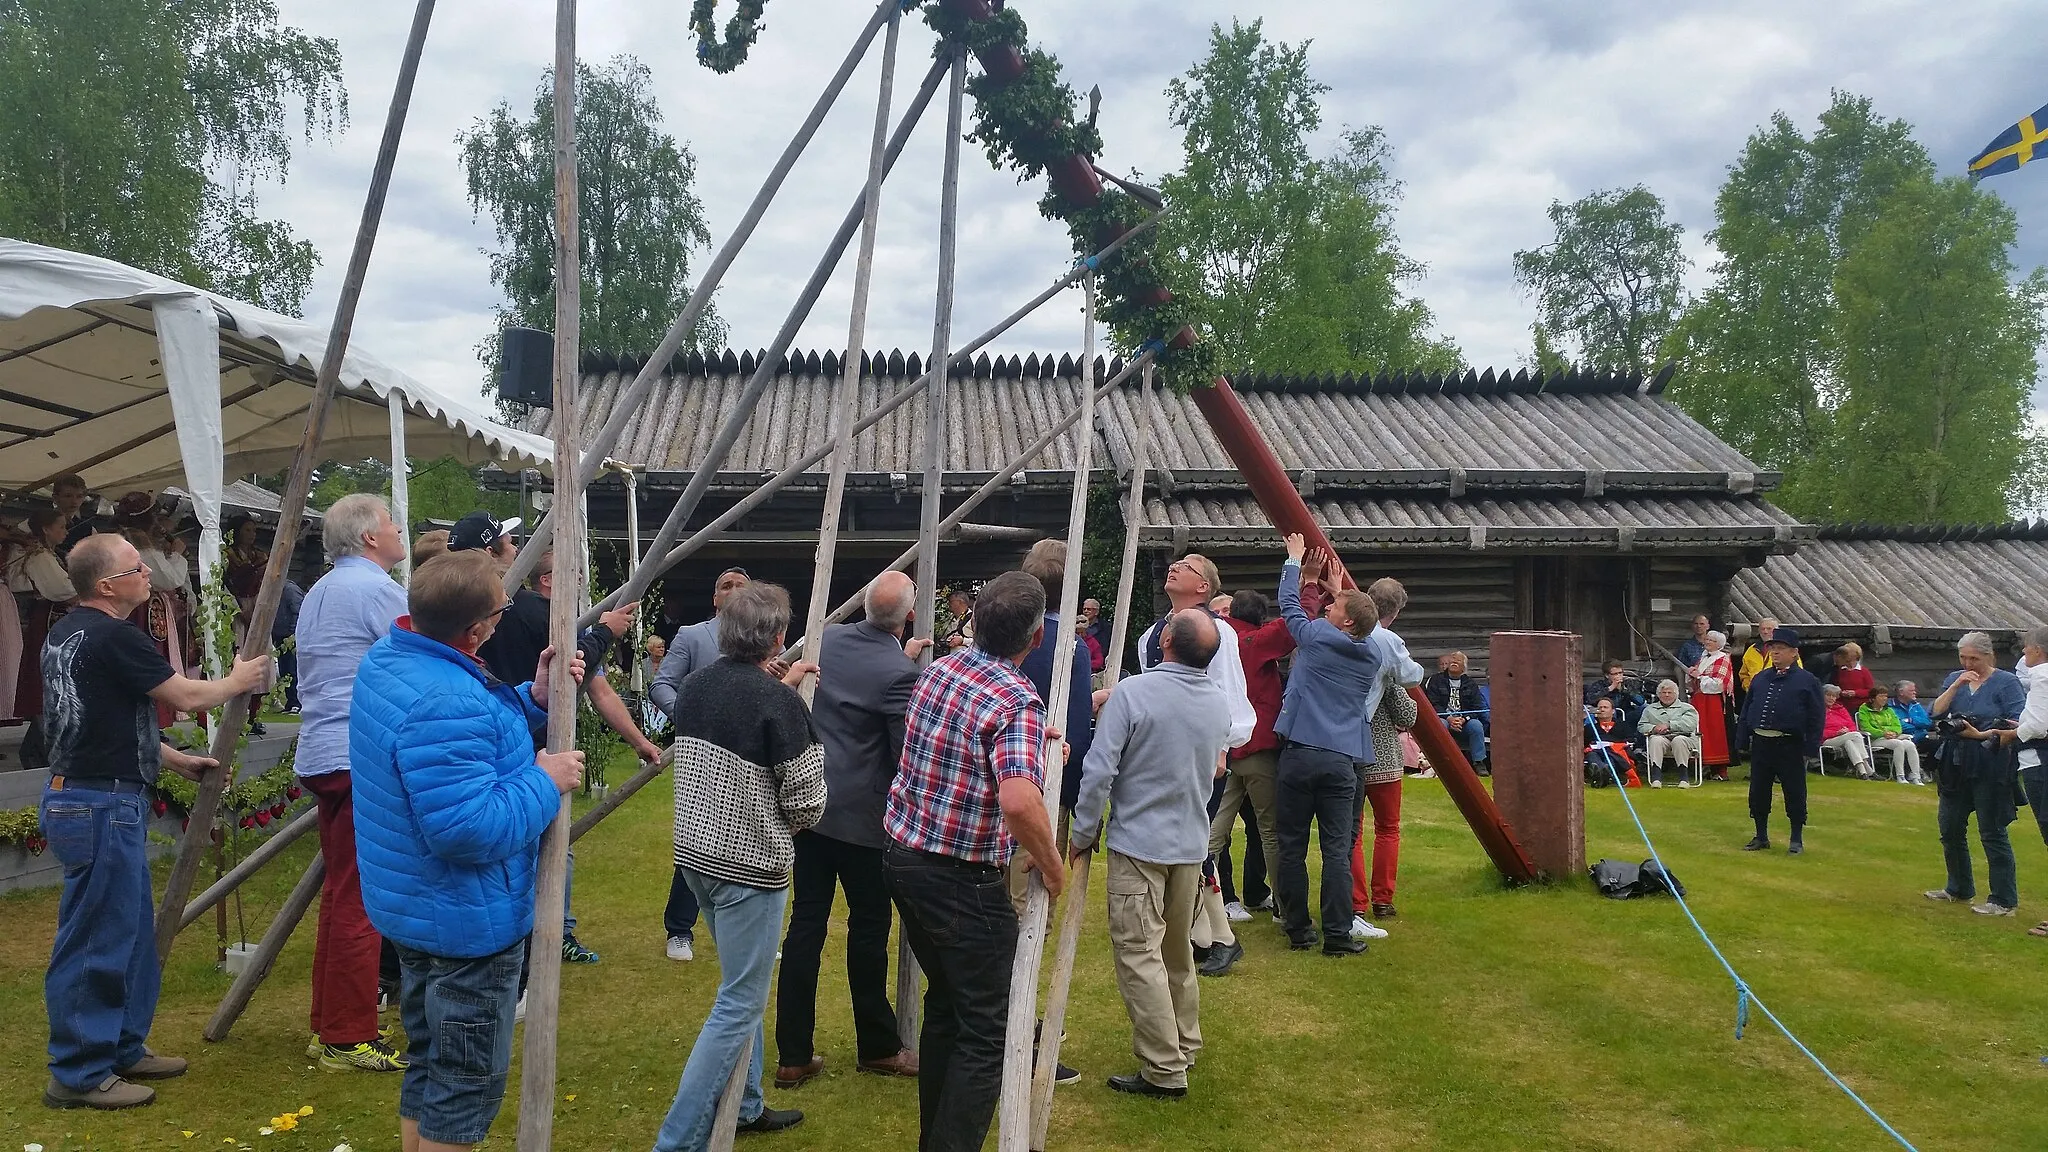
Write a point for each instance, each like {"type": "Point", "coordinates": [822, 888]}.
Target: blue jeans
{"type": "Point", "coordinates": [746, 923]}
{"type": "Point", "coordinates": [679, 918]}
{"type": "Point", "coordinates": [101, 989]}
{"type": "Point", "coordinates": [569, 896]}
{"type": "Point", "coordinates": [1473, 736]}
{"type": "Point", "coordinates": [1989, 797]}
{"type": "Point", "coordinates": [458, 1016]}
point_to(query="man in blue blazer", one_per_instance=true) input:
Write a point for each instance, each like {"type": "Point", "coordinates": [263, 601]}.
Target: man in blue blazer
{"type": "Point", "coordinates": [1326, 727]}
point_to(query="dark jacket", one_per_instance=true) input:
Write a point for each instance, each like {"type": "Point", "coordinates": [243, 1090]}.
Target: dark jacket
{"type": "Point", "coordinates": [1627, 704]}
{"type": "Point", "coordinates": [1079, 728]}
{"type": "Point", "coordinates": [863, 688]}
{"type": "Point", "coordinates": [1789, 702]}
{"type": "Point", "coordinates": [1334, 686]}
{"type": "Point", "coordinates": [1472, 696]}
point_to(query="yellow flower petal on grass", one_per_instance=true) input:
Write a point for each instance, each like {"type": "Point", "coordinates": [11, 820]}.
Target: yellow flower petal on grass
{"type": "Point", "coordinates": [305, 1110]}
{"type": "Point", "coordinates": [188, 1134]}
{"type": "Point", "coordinates": [571, 1096]}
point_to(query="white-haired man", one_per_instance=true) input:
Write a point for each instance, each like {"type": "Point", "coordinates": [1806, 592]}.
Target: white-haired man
{"type": "Point", "coordinates": [347, 610]}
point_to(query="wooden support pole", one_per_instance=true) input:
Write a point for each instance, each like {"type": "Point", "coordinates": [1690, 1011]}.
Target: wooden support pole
{"type": "Point", "coordinates": [726, 1119]}
{"type": "Point", "coordinates": [274, 937]}
{"type": "Point", "coordinates": [848, 384]}
{"type": "Point", "coordinates": [619, 794]}
{"type": "Point", "coordinates": [743, 405]}
{"type": "Point", "coordinates": [544, 958]}
{"type": "Point", "coordinates": [635, 395]}
{"type": "Point", "coordinates": [1016, 1109]}
{"type": "Point", "coordinates": [795, 468]}
{"type": "Point", "coordinates": [1075, 910]}
{"type": "Point", "coordinates": [265, 852]}
{"type": "Point", "coordinates": [992, 485]}
{"type": "Point", "coordinates": [292, 504]}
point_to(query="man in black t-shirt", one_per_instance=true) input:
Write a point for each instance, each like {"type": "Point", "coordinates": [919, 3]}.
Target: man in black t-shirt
{"type": "Point", "coordinates": [513, 655]}
{"type": "Point", "coordinates": [102, 678]}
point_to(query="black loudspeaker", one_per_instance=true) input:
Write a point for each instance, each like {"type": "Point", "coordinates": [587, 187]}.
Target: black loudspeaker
{"type": "Point", "coordinates": [526, 367]}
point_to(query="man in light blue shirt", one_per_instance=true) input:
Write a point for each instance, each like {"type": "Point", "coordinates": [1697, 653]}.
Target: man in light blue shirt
{"type": "Point", "coordinates": [349, 609]}
{"type": "Point", "coordinates": [1326, 725]}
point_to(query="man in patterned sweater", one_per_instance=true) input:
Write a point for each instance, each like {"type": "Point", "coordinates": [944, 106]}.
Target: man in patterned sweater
{"type": "Point", "coordinates": [750, 773]}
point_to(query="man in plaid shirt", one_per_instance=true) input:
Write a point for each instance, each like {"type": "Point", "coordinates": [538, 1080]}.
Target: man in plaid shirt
{"type": "Point", "coordinates": [969, 790]}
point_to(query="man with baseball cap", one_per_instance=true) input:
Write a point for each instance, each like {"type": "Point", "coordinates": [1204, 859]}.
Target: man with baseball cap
{"type": "Point", "coordinates": [1781, 728]}
{"type": "Point", "coordinates": [478, 530]}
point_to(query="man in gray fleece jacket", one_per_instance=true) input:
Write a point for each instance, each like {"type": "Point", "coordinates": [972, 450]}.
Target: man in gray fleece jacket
{"type": "Point", "coordinates": [1156, 744]}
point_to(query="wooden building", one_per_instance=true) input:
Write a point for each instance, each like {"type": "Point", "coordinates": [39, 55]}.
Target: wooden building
{"type": "Point", "coordinates": [1906, 595]}
{"type": "Point", "coordinates": [1503, 500]}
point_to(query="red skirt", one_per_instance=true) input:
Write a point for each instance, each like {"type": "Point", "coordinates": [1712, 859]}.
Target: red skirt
{"type": "Point", "coordinates": [158, 616]}
{"type": "Point", "coordinates": [35, 625]}
{"type": "Point", "coordinates": [1713, 729]}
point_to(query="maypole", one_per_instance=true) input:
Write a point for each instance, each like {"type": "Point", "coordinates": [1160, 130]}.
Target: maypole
{"type": "Point", "coordinates": [544, 953]}
{"type": "Point", "coordinates": [292, 504]}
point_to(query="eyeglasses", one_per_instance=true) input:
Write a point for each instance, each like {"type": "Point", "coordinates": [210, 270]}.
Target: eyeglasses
{"type": "Point", "coordinates": [500, 610]}
{"type": "Point", "coordinates": [129, 572]}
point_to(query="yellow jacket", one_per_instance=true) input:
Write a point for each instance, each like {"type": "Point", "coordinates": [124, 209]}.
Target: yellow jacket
{"type": "Point", "coordinates": [1755, 660]}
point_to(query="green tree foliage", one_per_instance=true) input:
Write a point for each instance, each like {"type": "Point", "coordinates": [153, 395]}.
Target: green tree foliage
{"type": "Point", "coordinates": [1854, 289]}
{"type": "Point", "coordinates": [139, 130]}
{"type": "Point", "coordinates": [435, 489]}
{"type": "Point", "coordinates": [1612, 280]}
{"type": "Point", "coordinates": [640, 219]}
{"type": "Point", "coordinates": [1295, 256]}
{"type": "Point", "coordinates": [1937, 361]}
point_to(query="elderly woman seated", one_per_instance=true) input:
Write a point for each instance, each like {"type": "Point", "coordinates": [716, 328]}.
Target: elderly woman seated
{"type": "Point", "coordinates": [1881, 724]}
{"type": "Point", "coordinates": [1670, 728]}
{"type": "Point", "coordinates": [1838, 732]}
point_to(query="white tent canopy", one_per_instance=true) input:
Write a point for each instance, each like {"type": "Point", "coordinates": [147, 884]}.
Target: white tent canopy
{"type": "Point", "coordinates": [101, 363]}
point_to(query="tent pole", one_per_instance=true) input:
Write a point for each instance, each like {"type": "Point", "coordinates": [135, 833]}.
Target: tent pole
{"type": "Point", "coordinates": [1018, 1106]}
{"type": "Point", "coordinates": [401, 482]}
{"type": "Point", "coordinates": [848, 384]}
{"type": "Point", "coordinates": [743, 406]}
{"type": "Point", "coordinates": [198, 833]}
{"type": "Point", "coordinates": [635, 395]}
{"type": "Point", "coordinates": [544, 963]}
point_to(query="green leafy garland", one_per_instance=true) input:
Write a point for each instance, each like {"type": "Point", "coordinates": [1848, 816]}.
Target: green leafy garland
{"type": "Point", "coordinates": [1029, 125]}
{"type": "Point", "coordinates": [740, 34]}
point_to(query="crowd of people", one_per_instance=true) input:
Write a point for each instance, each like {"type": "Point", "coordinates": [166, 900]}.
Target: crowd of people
{"type": "Point", "coordinates": [918, 789]}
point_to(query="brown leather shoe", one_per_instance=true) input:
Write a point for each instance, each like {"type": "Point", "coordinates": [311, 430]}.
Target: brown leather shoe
{"type": "Point", "coordinates": [903, 1063]}
{"type": "Point", "coordinates": [793, 1076]}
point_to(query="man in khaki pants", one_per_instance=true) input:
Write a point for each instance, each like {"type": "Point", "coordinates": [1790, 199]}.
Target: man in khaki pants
{"type": "Point", "coordinates": [1153, 762]}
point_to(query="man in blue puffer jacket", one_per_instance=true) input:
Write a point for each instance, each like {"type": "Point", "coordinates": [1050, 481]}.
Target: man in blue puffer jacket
{"type": "Point", "coordinates": [451, 800]}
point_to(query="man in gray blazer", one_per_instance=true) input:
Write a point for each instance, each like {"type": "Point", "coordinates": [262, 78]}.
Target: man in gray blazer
{"type": "Point", "coordinates": [695, 646]}
{"type": "Point", "coordinates": [864, 687]}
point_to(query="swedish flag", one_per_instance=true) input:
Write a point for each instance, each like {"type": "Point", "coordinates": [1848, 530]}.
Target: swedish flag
{"type": "Point", "coordinates": [2013, 147]}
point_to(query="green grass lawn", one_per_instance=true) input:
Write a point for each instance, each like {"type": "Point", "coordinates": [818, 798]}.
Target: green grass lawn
{"type": "Point", "coordinates": [1537, 1019]}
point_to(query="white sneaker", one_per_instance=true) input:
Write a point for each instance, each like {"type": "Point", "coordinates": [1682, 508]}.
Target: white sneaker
{"type": "Point", "coordinates": [1656, 783]}
{"type": "Point", "coordinates": [1363, 929]}
{"type": "Point", "coordinates": [519, 1013]}
{"type": "Point", "coordinates": [679, 948]}
{"type": "Point", "coordinates": [1991, 908]}
{"type": "Point", "coordinates": [1685, 783]}
{"type": "Point", "coordinates": [1235, 912]}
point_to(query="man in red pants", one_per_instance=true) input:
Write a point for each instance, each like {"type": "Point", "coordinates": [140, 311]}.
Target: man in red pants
{"type": "Point", "coordinates": [349, 609]}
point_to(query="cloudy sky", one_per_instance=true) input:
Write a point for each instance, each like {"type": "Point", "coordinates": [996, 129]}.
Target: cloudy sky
{"type": "Point", "coordinates": [1494, 110]}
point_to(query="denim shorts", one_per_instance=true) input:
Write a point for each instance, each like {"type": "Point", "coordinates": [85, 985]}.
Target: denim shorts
{"type": "Point", "coordinates": [458, 1025]}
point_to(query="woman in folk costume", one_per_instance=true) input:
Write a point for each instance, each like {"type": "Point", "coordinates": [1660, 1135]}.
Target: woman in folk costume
{"type": "Point", "coordinates": [44, 591]}
{"type": "Point", "coordinates": [159, 615]}
{"type": "Point", "coordinates": [1709, 680]}
{"type": "Point", "coordinates": [246, 561]}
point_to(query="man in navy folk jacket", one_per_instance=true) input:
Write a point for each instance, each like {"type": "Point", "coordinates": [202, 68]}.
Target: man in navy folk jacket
{"type": "Point", "coordinates": [1781, 728]}
{"type": "Point", "coordinates": [1326, 723]}
{"type": "Point", "coordinates": [451, 800]}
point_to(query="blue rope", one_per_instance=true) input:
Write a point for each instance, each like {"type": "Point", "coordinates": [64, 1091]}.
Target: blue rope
{"type": "Point", "coordinates": [1744, 994]}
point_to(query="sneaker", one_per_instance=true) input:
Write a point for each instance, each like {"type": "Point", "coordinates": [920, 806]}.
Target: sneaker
{"type": "Point", "coordinates": [573, 951]}
{"type": "Point", "coordinates": [1942, 894]}
{"type": "Point", "coordinates": [1065, 1075]}
{"type": "Point", "coordinates": [315, 1049]}
{"type": "Point", "coordinates": [773, 1120]}
{"type": "Point", "coordinates": [369, 1056]}
{"type": "Point", "coordinates": [1991, 908]}
{"type": "Point", "coordinates": [1363, 929]}
{"type": "Point", "coordinates": [113, 1093]}
{"type": "Point", "coordinates": [519, 1012]}
{"type": "Point", "coordinates": [1344, 947]}
{"type": "Point", "coordinates": [387, 998]}
{"type": "Point", "coordinates": [1236, 912]}
{"type": "Point", "coordinates": [1656, 783]}
{"type": "Point", "coordinates": [1265, 905]}
{"type": "Point", "coordinates": [681, 948]}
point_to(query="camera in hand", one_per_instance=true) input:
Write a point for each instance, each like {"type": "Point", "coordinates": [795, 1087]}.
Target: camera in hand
{"type": "Point", "coordinates": [1950, 726]}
